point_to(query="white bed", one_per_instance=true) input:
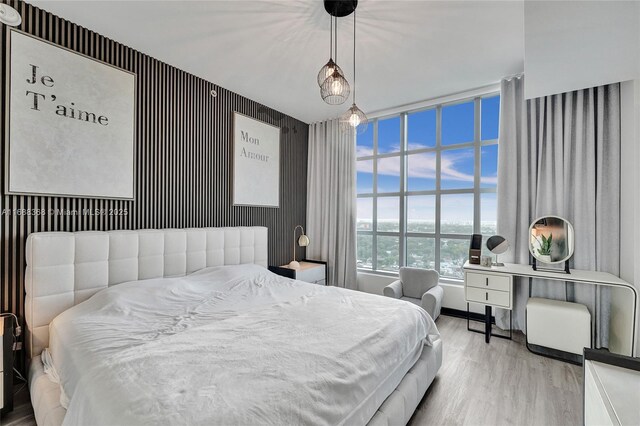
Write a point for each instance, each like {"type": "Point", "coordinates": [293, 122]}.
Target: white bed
{"type": "Point", "coordinates": [198, 331]}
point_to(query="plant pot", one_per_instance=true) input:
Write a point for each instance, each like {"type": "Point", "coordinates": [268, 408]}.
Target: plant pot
{"type": "Point", "coordinates": [544, 258]}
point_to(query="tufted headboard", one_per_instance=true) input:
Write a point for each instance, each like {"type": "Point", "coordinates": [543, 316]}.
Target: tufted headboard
{"type": "Point", "coordinates": [66, 268]}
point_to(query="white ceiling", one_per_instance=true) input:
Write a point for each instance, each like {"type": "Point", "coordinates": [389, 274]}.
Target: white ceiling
{"type": "Point", "coordinates": [271, 50]}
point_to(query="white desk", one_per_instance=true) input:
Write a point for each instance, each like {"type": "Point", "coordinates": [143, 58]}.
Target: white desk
{"type": "Point", "coordinates": [611, 389]}
{"type": "Point", "coordinates": [520, 270]}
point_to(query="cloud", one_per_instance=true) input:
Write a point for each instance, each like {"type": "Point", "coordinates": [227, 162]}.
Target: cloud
{"type": "Point", "coordinates": [413, 146]}
{"type": "Point", "coordinates": [363, 151]}
{"type": "Point", "coordinates": [366, 151]}
{"type": "Point", "coordinates": [424, 166]}
{"type": "Point", "coordinates": [489, 179]}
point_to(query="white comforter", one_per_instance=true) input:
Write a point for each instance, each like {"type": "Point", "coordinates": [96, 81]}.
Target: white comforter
{"type": "Point", "coordinates": [233, 345]}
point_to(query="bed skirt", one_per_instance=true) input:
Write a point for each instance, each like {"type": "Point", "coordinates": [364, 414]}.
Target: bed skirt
{"type": "Point", "coordinates": [45, 396]}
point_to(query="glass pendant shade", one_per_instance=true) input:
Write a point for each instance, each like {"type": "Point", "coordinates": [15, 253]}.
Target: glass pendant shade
{"type": "Point", "coordinates": [335, 89]}
{"type": "Point", "coordinates": [327, 70]}
{"type": "Point", "coordinates": [354, 119]}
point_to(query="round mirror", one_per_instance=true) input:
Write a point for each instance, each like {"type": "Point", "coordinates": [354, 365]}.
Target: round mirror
{"type": "Point", "coordinates": [497, 244]}
{"type": "Point", "coordinates": [551, 239]}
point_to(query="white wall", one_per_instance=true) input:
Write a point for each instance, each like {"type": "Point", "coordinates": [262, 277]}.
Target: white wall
{"type": "Point", "coordinates": [372, 283]}
{"type": "Point", "coordinates": [571, 45]}
{"type": "Point", "coordinates": [637, 203]}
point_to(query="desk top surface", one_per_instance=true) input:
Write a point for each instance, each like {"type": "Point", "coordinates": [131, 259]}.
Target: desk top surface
{"type": "Point", "coordinates": [622, 388]}
{"type": "Point", "coordinates": [576, 275]}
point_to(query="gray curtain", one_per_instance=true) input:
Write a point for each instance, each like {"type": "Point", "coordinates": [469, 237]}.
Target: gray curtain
{"type": "Point", "coordinates": [331, 201]}
{"type": "Point", "coordinates": [560, 155]}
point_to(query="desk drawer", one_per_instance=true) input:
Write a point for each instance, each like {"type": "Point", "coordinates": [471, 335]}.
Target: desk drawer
{"type": "Point", "coordinates": [489, 297]}
{"type": "Point", "coordinates": [487, 281]}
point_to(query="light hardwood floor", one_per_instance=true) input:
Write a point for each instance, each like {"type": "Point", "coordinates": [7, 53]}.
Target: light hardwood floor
{"type": "Point", "coordinates": [496, 384]}
{"type": "Point", "coordinates": [22, 414]}
{"type": "Point", "coordinates": [500, 383]}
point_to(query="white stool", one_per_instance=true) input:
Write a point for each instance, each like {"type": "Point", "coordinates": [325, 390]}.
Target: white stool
{"type": "Point", "coordinates": [558, 325]}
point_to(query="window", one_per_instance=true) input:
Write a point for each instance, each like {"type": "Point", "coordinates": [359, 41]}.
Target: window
{"type": "Point", "coordinates": [426, 181]}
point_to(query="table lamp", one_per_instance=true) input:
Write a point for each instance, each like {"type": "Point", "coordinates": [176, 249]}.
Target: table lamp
{"type": "Point", "coordinates": [303, 241]}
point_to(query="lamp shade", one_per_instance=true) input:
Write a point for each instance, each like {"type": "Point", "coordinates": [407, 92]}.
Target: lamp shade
{"type": "Point", "coordinates": [354, 119]}
{"type": "Point", "coordinates": [335, 89]}
{"type": "Point", "coordinates": [303, 241]}
{"type": "Point", "coordinates": [327, 71]}
{"type": "Point", "coordinates": [9, 16]}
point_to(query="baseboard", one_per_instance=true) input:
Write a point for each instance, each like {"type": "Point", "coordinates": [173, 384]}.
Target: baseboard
{"type": "Point", "coordinates": [555, 354]}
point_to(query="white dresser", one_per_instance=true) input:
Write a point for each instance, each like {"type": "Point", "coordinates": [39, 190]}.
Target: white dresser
{"type": "Point", "coordinates": [491, 289]}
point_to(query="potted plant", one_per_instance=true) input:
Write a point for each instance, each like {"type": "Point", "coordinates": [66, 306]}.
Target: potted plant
{"type": "Point", "coordinates": [544, 251]}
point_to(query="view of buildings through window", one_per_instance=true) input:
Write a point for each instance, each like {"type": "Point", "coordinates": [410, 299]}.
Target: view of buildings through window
{"type": "Point", "coordinates": [426, 181]}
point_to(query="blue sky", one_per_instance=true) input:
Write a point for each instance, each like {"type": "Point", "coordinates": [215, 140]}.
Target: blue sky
{"type": "Point", "coordinates": [457, 165]}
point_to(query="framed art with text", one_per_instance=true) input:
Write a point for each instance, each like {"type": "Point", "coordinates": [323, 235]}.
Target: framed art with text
{"type": "Point", "coordinates": [256, 162]}
{"type": "Point", "coordinates": [70, 122]}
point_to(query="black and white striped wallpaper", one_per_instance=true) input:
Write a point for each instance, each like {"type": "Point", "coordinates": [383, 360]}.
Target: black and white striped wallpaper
{"type": "Point", "coordinates": [183, 156]}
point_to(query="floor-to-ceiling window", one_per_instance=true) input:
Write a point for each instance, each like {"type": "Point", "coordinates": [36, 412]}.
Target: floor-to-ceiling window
{"type": "Point", "coordinates": [427, 181]}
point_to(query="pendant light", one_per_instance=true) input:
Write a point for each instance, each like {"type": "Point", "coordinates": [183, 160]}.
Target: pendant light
{"type": "Point", "coordinates": [9, 16]}
{"type": "Point", "coordinates": [328, 69]}
{"type": "Point", "coordinates": [335, 89]}
{"type": "Point", "coordinates": [354, 118]}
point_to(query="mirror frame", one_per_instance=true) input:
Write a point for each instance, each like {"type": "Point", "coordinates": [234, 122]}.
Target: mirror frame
{"type": "Point", "coordinates": [571, 232]}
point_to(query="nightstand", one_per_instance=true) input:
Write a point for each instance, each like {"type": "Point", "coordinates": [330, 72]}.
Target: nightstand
{"type": "Point", "coordinates": [311, 271]}
{"type": "Point", "coordinates": [2, 358]}
{"type": "Point", "coordinates": [6, 365]}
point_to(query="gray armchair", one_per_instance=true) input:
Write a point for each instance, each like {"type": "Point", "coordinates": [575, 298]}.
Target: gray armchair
{"type": "Point", "coordinates": [418, 286]}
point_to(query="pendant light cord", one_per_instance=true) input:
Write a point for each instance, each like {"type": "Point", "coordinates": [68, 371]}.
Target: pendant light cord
{"type": "Point", "coordinates": [354, 57]}
{"type": "Point", "coordinates": [331, 37]}
{"type": "Point", "coordinates": [335, 39]}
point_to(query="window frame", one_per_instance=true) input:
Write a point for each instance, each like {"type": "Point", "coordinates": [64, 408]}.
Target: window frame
{"type": "Point", "coordinates": [477, 144]}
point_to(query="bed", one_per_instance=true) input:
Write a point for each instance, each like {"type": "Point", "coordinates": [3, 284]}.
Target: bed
{"type": "Point", "coordinates": [187, 326]}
